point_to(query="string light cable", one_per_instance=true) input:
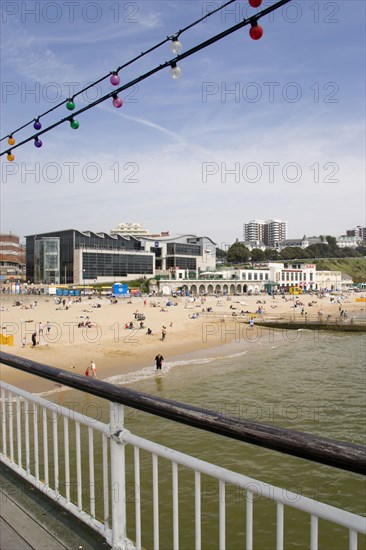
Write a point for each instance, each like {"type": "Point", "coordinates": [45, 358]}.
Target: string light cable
{"type": "Point", "coordinates": [252, 21]}
{"type": "Point", "coordinates": [113, 75]}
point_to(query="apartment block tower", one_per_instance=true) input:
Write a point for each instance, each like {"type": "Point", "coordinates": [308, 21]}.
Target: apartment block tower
{"type": "Point", "coordinates": [269, 233]}
{"type": "Point", "coordinates": [357, 232]}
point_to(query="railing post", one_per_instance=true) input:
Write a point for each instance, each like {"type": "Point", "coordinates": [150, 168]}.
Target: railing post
{"type": "Point", "coordinates": [118, 476]}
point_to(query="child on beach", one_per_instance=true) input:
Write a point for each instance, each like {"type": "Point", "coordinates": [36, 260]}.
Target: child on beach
{"type": "Point", "coordinates": [91, 371]}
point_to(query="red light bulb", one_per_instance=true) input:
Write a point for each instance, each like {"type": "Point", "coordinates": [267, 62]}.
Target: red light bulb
{"type": "Point", "coordinates": [255, 3]}
{"type": "Point", "coordinates": [256, 32]}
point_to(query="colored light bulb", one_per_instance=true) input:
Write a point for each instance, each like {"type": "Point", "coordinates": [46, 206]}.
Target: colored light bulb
{"type": "Point", "coordinates": [176, 46]}
{"type": "Point", "coordinates": [117, 102]}
{"type": "Point", "coordinates": [37, 125]}
{"type": "Point", "coordinates": [175, 71]}
{"type": "Point", "coordinates": [255, 3]}
{"type": "Point", "coordinates": [256, 32]}
{"type": "Point", "coordinates": [11, 140]}
{"type": "Point", "coordinates": [38, 143]}
{"type": "Point", "coordinates": [74, 124]}
{"type": "Point", "coordinates": [10, 157]}
{"type": "Point", "coordinates": [115, 79]}
{"type": "Point", "coordinates": [70, 105]}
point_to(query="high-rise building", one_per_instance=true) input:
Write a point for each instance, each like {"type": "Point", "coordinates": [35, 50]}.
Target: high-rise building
{"type": "Point", "coordinates": [270, 232]}
{"type": "Point", "coordinates": [357, 232]}
{"type": "Point", "coordinates": [275, 231]}
{"type": "Point", "coordinates": [254, 232]}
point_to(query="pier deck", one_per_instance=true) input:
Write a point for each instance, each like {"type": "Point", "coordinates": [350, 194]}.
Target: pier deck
{"type": "Point", "coordinates": [30, 520]}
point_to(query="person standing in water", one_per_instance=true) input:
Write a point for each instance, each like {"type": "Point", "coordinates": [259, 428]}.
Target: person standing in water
{"type": "Point", "coordinates": [159, 361]}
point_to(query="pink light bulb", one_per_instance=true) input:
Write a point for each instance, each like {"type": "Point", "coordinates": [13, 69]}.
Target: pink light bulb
{"type": "Point", "coordinates": [117, 102]}
{"type": "Point", "coordinates": [115, 79]}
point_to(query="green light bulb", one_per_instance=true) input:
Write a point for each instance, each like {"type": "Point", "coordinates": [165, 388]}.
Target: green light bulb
{"type": "Point", "coordinates": [74, 124]}
{"type": "Point", "coordinates": [70, 105]}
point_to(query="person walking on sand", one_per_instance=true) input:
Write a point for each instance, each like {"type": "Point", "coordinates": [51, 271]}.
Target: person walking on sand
{"type": "Point", "coordinates": [159, 361]}
{"type": "Point", "coordinates": [34, 339]}
{"type": "Point", "coordinates": [93, 370]}
{"type": "Point", "coordinates": [163, 333]}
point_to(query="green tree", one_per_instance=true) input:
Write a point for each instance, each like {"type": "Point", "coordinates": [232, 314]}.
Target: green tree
{"type": "Point", "coordinates": [220, 254]}
{"type": "Point", "coordinates": [293, 253]}
{"type": "Point", "coordinates": [238, 253]}
{"type": "Point", "coordinates": [332, 241]}
{"type": "Point", "coordinates": [348, 252]}
{"type": "Point", "coordinates": [257, 255]}
{"type": "Point", "coordinates": [319, 250]}
{"type": "Point", "coordinates": [271, 254]}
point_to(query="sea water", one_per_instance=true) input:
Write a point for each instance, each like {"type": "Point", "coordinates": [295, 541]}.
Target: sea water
{"type": "Point", "coordinates": [307, 381]}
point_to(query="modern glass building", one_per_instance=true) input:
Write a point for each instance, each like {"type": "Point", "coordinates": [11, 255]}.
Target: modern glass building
{"type": "Point", "coordinates": [188, 252]}
{"type": "Point", "coordinates": [72, 256]}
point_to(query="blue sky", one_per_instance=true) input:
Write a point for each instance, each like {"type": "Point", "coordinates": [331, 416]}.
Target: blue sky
{"type": "Point", "coordinates": [253, 129]}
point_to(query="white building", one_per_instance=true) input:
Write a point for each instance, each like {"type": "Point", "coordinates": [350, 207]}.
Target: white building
{"type": "Point", "coordinates": [333, 280]}
{"type": "Point", "coordinates": [275, 276]}
{"type": "Point", "coordinates": [130, 228]}
{"type": "Point", "coordinates": [350, 242]}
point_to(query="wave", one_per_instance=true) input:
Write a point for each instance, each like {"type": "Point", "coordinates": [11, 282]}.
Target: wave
{"type": "Point", "coordinates": [148, 372]}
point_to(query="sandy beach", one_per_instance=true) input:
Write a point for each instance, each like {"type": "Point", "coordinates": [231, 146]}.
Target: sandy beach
{"type": "Point", "coordinates": [65, 342]}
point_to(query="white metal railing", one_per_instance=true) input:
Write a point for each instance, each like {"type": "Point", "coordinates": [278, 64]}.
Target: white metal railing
{"type": "Point", "coordinates": [26, 423]}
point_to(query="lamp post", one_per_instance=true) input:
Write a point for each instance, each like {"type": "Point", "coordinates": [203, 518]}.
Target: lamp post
{"type": "Point", "coordinates": [84, 280]}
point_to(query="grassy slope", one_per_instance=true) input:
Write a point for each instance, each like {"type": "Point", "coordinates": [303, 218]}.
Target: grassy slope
{"type": "Point", "coordinates": [355, 267]}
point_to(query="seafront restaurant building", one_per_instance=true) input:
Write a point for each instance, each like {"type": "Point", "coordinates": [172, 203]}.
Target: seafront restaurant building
{"type": "Point", "coordinates": [272, 277]}
{"type": "Point", "coordinates": [83, 257]}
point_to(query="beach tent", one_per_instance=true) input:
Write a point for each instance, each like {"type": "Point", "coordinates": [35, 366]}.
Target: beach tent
{"type": "Point", "coordinates": [119, 289]}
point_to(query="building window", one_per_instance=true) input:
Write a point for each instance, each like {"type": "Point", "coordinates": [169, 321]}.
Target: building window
{"type": "Point", "coordinates": [261, 276]}
{"type": "Point", "coordinates": [115, 265]}
{"type": "Point", "coordinates": [255, 276]}
{"type": "Point", "coordinates": [249, 276]}
{"type": "Point", "coordinates": [244, 276]}
{"type": "Point", "coordinates": [183, 249]}
{"type": "Point", "coordinates": [181, 262]}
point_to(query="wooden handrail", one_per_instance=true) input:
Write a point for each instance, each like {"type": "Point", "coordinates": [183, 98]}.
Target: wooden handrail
{"type": "Point", "coordinates": [346, 456]}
